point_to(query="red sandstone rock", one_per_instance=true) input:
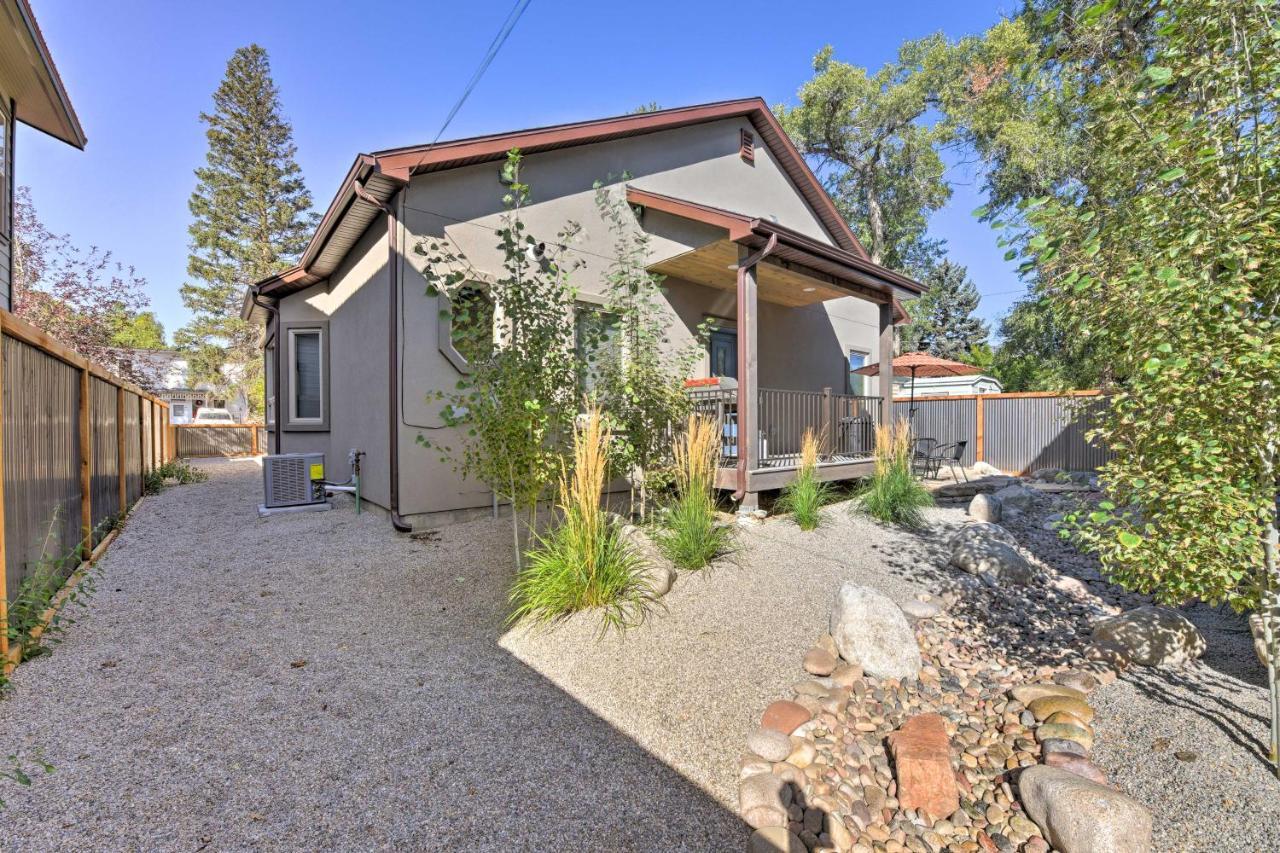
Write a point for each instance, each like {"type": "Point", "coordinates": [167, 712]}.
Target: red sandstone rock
{"type": "Point", "coordinates": [922, 763]}
{"type": "Point", "coordinates": [785, 717]}
{"type": "Point", "coordinates": [1077, 765]}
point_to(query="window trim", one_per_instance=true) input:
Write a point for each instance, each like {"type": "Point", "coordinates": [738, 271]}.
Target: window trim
{"type": "Point", "coordinates": [7, 190]}
{"type": "Point", "coordinates": [293, 423]}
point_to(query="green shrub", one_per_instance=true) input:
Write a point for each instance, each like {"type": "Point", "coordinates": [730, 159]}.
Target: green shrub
{"type": "Point", "coordinates": [893, 494]}
{"type": "Point", "coordinates": [584, 562]}
{"type": "Point", "coordinates": [175, 469]}
{"type": "Point", "coordinates": [689, 532]}
{"type": "Point", "coordinates": [805, 496]}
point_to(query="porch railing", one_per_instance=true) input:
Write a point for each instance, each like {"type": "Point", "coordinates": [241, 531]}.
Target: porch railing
{"type": "Point", "coordinates": [845, 424]}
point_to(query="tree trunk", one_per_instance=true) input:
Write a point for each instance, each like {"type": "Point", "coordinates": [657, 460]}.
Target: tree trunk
{"type": "Point", "coordinates": [875, 216]}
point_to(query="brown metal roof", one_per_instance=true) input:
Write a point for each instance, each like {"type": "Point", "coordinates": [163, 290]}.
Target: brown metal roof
{"type": "Point", "coordinates": [792, 245]}
{"type": "Point", "coordinates": [28, 75]}
{"type": "Point", "coordinates": [383, 172]}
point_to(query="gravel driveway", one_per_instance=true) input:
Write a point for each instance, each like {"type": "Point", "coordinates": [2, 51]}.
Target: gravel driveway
{"type": "Point", "coordinates": [316, 682]}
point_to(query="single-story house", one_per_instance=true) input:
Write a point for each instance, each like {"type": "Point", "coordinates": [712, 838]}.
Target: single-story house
{"type": "Point", "coordinates": [948, 386]}
{"type": "Point", "coordinates": [740, 227]}
{"type": "Point", "coordinates": [167, 374]}
{"type": "Point", "coordinates": [31, 92]}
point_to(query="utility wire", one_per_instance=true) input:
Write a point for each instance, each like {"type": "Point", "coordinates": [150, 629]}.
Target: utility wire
{"type": "Point", "coordinates": [513, 17]}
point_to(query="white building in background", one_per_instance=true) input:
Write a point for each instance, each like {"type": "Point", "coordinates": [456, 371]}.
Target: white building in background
{"type": "Point", "coordinates": [947, 386]}
{"type": "Point", "coordinates": [169, 372]}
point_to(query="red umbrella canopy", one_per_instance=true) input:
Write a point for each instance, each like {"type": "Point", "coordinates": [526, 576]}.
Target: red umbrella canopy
{"type": "Point", "coordinates": [923, 366]}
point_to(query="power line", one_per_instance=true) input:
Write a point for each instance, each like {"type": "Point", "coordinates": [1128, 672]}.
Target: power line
{"type": "Point", "coordinates": [499, 39]}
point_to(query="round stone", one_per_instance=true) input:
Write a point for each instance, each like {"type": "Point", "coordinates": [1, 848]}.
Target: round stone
{"type": "Point", "coordinates": [775, 839]}
{"type": "Point", "coordinates": [1046, 706]}
{"type": "Point", "coordinates": [769, 744]}
{"type": "Point", "coordinates": [819, 662]}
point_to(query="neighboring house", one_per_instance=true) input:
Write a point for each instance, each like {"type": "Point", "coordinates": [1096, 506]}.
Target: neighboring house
{"type": "Point", "coordinates": [167, 374]}
{"type": "Point", "coordinates": [30, 92]}
{"type": "Point", "coordinates": [354, 346]}
{"type": "Point", "coordinates": [948, 386]}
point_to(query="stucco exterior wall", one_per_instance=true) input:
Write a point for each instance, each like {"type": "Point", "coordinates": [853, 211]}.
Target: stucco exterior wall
{"type": "Point", "coordinates": [802, 349]}
{"type": "Point", "coordinates": [354, 302]}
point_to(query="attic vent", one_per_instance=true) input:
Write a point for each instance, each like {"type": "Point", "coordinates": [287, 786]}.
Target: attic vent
{"type": "Point", "coordinates": [748, 147]}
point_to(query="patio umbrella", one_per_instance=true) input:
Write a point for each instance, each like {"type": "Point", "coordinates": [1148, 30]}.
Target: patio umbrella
{"type": "Point", "coordinates": [925, 366]}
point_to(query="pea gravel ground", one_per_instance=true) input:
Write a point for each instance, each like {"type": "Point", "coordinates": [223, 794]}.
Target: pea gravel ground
{"type": "Point", "coordinates": [316, 682]}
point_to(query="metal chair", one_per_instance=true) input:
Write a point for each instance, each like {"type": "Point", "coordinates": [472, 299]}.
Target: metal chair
{"type": "Point", "coordinates": [950, 454]}
{"type": "Point", "coordinates": [922, 450]}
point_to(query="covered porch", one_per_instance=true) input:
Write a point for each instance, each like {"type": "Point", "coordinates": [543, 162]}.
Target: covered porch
{"type": "Point", "coordinates": [762, 262]}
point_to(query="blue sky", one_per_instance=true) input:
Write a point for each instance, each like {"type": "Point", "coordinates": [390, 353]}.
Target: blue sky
{"type": "Point", "coordinates": [369, 75]}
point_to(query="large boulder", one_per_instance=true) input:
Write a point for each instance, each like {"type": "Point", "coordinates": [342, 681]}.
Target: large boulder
{"type": "Point", "coordinates": [1151, 636]}
{"type": "Point", "coordinates": [987, 550]}
{"type": "Point", "coordinates": [1080, 816]}
{"type": "Point", "coordinates": [870, 630]}
{"type": "Point", "coordinates": [985, 507]}
{"type": "Point", "coordinates": [1017, 496]}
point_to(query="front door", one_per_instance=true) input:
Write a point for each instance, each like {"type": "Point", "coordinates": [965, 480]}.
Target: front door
{"type": "Point", "coordinates": [724, 353]}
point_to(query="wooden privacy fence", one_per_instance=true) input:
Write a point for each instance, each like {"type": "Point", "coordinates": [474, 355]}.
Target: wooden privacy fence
{"type": "Point", "coordinates": [76, 443]}
{"type": "Point", "coordinates": [1017, 433]}
{"type": "Point", "coordinates": [195, 440]}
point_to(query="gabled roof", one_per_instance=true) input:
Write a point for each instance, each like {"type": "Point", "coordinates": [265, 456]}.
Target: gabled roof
{"type": "Point", "coordinates": [383, 172]}
{"type": "Point", "coordinates": [792, 245]}
{"type": "Point", "coordinates": [28, 75]}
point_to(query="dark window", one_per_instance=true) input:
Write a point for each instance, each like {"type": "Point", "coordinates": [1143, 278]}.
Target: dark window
{"type": "Point", "coordinates": [724, 353]}
{"type": "Point", "coordinates": [307, 375]}
{"type": "Point", "coordinates": [471, 327]}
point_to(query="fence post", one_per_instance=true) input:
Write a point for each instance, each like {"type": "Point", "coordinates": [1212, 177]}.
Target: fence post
{"type": "Point", "coordinates": [86, 466]}
{"type": "Point", "coordinates": [120, 463]}
{"type": "Point", "coordinates": [828, 433]}
{"type": "Point", "coordinates": [979, 428]}
{"type": "Point", "coordinates": [253, 441]}
{"type": "Point", "coordinates": [4, 567]}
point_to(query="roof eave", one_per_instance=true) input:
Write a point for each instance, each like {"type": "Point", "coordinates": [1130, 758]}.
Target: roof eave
{"type": "Point", "coordinates": [70, 131]}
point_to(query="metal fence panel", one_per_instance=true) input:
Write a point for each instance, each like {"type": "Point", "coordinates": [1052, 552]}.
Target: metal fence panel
{"type": "Point", "coordinates": [41, 460]}
{"type": "Point", "coordinates": [1026, 433]}
{"type": "Point", "coordinates": [198, 441]}
{"type": "Point", "coordinates": [945, 421]}
{"type": "Point", "coordinates": [104, 487]}
{"type": "Point", "coordinates": [132, 446]}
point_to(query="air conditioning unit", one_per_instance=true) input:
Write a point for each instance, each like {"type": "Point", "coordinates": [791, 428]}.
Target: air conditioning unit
{"type": "Point", "coordinates": [293, 479]}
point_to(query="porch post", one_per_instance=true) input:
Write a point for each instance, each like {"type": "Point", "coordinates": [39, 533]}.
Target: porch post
{"type": "Point", "coordinates": [886, 364]}
{"type": "Point", "coordinates": [748, 379]}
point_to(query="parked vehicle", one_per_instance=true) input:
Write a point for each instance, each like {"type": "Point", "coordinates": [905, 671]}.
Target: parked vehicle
{"type": "Point", "coordinates": [211, 415]}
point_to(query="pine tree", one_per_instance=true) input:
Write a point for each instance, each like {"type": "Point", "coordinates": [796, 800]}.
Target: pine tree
{"type": "Point", "coordinates": [942, 321]}
{"type": "Point", "coordinates": [251, 213]}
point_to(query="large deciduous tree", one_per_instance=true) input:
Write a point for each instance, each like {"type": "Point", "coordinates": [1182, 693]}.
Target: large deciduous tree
{"type": "Point", "coordinates": [83, 297]}
{"type": "Point", "coordinates": [870, 138]}
{"type": "Point", "coordinates": [251, 214]}
{"type": "Point", "coordinates": [942, 320]}
{"type": "Point", "coordinates": [1165, 254]}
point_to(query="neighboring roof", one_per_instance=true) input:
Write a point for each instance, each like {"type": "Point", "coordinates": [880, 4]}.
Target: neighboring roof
{"type": "Point", "coordinates": [383, 172]}
{"type": "Point", "coordinates": [921, 365]}
{"type": "Point", "coordinates": [28, 75]}
{"type": "Point", "coordinates": [792, 245]}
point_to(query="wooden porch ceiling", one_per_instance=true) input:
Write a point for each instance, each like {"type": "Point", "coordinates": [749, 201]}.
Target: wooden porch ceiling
{"type": "Point", "coordinates": [715, 265]}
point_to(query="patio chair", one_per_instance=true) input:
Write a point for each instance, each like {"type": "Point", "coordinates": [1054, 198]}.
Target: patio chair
{"type": "Point", "coordinates": [922, 450]}
{"type": "Point", "coordinates": [949, 455]}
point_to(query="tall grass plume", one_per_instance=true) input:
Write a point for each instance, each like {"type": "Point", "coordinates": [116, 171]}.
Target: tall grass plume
{"type": "Point", "coordinates": [894, 495]}
{"type": "Point", "coordinates": [584, 562]}
{"type": "Point", "coordinates": [805, 496]}
{"type": "Point", "coordinates": [691, 535]}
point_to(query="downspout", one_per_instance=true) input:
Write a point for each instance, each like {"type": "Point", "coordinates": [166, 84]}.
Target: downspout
{"type": "Point", "coordinates": [273, 313]}
{"type": "Point", "coordinates": [744, 346]}
{"type": "Point", "coordinates": [393, 366]}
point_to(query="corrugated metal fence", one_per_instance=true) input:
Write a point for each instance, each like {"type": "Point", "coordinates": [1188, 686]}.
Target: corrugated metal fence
{"type": "Point", "coordinates": [196, 440]}
{"type": "Point", "coordinates": [1017, 433]}
{"type": "Point", "coordinates": [66, 423]}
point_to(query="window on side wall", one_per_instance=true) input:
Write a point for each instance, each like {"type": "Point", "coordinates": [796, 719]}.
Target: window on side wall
{"type": "Point", "coordinates": [308, 353]}
{"type": "Point", "coordinates": [4, 170]}
{"type": "Point", "coordinates": [269, 382]}
{"type": "Point", "coordinates": [857, 383]}
{"type": "Point", "coordinates": [597, 342]}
